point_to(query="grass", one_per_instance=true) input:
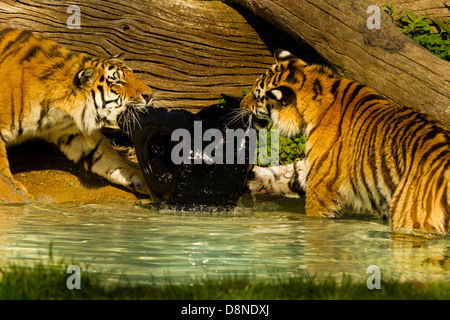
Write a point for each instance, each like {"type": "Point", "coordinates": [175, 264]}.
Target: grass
{"type": "Point", "coordinates": [47, 281]}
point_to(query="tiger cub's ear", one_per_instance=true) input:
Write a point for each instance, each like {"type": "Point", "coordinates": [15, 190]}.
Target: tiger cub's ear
{"type": "Point", "coordinates": [83, 77]}
{"type": "Point", "coordinates": [283, 55]}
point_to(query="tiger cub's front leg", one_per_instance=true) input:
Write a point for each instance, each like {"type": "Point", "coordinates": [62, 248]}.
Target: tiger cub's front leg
{"type": "Point", "coordinates": [98, 155]}
{"type": "Point", "coordinates": [4, 168]}
{"type": "Point", "coordinates": [286, 180]}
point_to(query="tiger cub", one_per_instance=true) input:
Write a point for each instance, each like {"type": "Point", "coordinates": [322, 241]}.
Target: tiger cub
{"type": "Point", "coordinates": [361, 149]}
{"type": "Point", "coordinates": [65, 97]}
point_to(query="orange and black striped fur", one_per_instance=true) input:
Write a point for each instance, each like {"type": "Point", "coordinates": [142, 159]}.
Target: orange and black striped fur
{"type": "Point", "coordinates": [361, 149]}
{"type": "Point", "coordinates": [65, 97]}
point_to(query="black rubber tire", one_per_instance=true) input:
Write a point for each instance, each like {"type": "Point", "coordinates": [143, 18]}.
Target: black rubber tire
{"type": "Point", "coordinates": [154, 125]}
{"type": "Point", "coordinates": [187, 184]}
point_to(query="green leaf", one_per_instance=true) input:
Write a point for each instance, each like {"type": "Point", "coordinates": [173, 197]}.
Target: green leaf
{"type": "Point", "coordinates": [390, 8]}
{"type": "Point", "coordinates": [410, 15]}
{"type": "Point", "coordinates": [405, 20]}
{"type": "Point", "coordinates": [441, 25]}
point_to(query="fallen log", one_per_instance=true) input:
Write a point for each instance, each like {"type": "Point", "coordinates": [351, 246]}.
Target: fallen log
{"type": "Point", "coordinates": [190, 51]}
{"type": "Point", "coordinates": [383, 58]}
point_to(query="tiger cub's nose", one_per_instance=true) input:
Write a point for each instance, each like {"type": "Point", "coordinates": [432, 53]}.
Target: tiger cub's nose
{"type": "Point", "coordinates": [147, 97]}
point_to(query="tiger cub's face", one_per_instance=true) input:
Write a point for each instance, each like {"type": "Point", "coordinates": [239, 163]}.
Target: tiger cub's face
{"type": "Point", "coordinates": [111, 87]}
{"type": "Point", "coordinates": [273, 98]}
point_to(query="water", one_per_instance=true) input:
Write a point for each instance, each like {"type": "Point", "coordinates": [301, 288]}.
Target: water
{"type": "Point", "coordinates": [271, 237]}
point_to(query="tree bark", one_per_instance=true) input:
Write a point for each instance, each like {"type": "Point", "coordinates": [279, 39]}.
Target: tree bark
{"type": "Point", "coordinates": [383, 59]}
{"type": "Point", "coordinates": [190, 51]}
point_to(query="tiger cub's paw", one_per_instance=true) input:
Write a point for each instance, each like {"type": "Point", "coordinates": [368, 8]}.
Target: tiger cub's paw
{"type": "Point", "coordinates": [138, 183]}
{"type": "Point", "coordinates": [130, 178]}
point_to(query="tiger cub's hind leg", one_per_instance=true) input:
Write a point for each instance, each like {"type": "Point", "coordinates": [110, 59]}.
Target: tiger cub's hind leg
{"type": "Point", "coordinates": [421, 205]}
{"type": "Point", "coordinates": [4, 168]}
{"type": "Point", "coordinates": [97, 154]}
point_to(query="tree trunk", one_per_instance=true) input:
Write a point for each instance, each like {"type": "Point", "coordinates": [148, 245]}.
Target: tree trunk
{"type": "Point", "coordinates": [383, 59]}
{"type": "Point", "coordinates": [191, 51]}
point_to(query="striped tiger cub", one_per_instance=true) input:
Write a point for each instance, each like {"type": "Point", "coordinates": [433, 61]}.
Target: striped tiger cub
{"type": "Point", "coordinates": [361, 149]}
{"type": "Point", "coordinates": [65, 97]}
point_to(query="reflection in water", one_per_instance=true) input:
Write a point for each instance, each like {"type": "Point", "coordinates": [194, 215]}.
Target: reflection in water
{"type": "Point", "coordinates": [262, 239]}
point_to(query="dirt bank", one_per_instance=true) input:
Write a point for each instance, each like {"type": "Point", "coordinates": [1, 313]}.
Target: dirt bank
{"type": "Point", "coordinates": [50, 177]}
